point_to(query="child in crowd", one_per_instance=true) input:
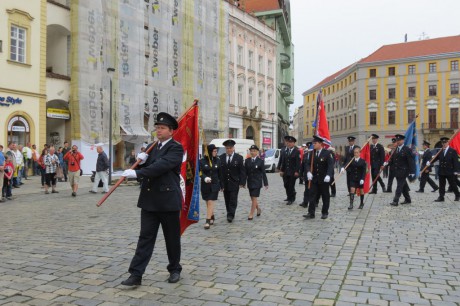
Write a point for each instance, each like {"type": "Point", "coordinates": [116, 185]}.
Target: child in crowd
{"type": "Point", "coordinates": [8, 178]}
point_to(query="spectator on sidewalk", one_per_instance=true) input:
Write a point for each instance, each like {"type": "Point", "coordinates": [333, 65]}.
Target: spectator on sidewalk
{"type": "Point", "coordinates": [51, 163]}
{"type": "Point", "coordinates": [42, 167]}
{"type": "Point", "coordinates": [13, 153]}
{"type": "Point", "coordinates": [61, 161]}
{"type": "Point", "coordinates": [73, 159]}
{"type": "Point", "coordinates": [65, 165]}
{"type": "Point", "coordinates": [35, 157]}
{"type": "Point", "coordinates": [27, 153]}
{"type": "Point", "coordinates": [2, 173]}
{"type": "Point", "coordinates": [102, 168]}
{"type": "Point", "coordinates": [19, 164]}
{"type": "Point", "coordinates": [8, 179]}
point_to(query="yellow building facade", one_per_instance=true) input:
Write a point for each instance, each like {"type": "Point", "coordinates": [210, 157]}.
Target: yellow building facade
{"type": "Point", "coordinates": [22, 66]}
{"type": "Point", "coordinates": [384, 92]}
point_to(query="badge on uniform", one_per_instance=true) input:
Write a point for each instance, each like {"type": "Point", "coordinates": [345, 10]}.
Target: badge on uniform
{"type": "Point", "coordinates": [256, 166]}
{"type": "Point", "coordinates": [321, 159]}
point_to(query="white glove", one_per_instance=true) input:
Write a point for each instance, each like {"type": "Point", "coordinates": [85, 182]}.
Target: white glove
{"type": "Point", "coordinates": [143, 157]}
{"type": "Point", "coordinates": [129, 173]}
{"type": "Point", "coordinates": [385, 164]}
{"type": "Point", "coordinates": [327, 179]}
{"type": "Point", "coordinates": [361, 182]}
{"type": "Point", "coordinates": [207, 180]}
{"type": "Point", "coordinates": [428, 163]}
{"type": "Point", "coordinates": [342, 170]}
{"type": "Point", "coordinates": [309, 176]}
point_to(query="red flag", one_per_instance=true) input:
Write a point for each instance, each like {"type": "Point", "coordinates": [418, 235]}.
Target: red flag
{"type": "Point", "coordinates": [454, 143]}
{"type": "Point", "coordinates": [366, 155]}
{"type": "Point", "coordinates": [322, 126]}
{"type": "Point", "coordinates": [188, 135]}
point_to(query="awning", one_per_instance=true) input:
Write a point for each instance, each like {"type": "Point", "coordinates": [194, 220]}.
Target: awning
{"type": "Point", "coordinates": [57, 109]}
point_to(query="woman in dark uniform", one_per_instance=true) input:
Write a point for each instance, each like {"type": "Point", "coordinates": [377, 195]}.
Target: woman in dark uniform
{"type": "Point", "coordinates": [210, 181]}
{"type": "Point", "coordinates": [255, 171]}
{"type": "Point", "coordinates": [357, 172]}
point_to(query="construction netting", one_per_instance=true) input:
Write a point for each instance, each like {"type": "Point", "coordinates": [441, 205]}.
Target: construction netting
{"type": "Point", "coordinates": [165, 54]}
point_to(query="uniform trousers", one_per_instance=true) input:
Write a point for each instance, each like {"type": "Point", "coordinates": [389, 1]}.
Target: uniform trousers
{"type": "Point", "coordinates": [402, 188]}
{"type": "Point", "coordinates": [333, 188]}
{"type": "Point", "coordinates": [391, 177]}
{"type": "Point", "coordinates": [317, 190]}
{"type": "Point", "coordinates": [150, 223]}
{"type": "Point", "coordinates": [289, 185]}
{"type": "Point", "coordinates": [375, 172]}
{"type": "Point", "coordinates": [306, 193]}
{"type": "Point", "coordinates": [231, 202]}
{"type": "Point", "coordinates": [424, 178]}
{"type": "Point", "coordinates": [452, 179]}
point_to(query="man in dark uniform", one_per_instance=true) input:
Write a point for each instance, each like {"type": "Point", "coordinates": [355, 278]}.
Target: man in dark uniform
{"type": "Point", "coordinates": [160, 200]}
{"type": "Point", "coordinates": [303, 173]}
{"type": "Point", "coordinates": [391, 168]}
{"type": "Point", "coordinates": [320, 177]}
{"type": "Point", "coordinates": [333, 187]}
{"type": "Point", "coordinates": [290, 167]}
{"type": "Point", "coordinates": [348, 156]}
{"type": "Point", "coordinates": [233, 177]}
{"type": "Point", "coordinates": [404, 164]}
{"type": "Point", "coordinates": [449, 167]}
{"type": "Point", "coordinates": [283, 151]}
{"type": "Point", "coordinates": [377, 160]}
{"type": "Point", "coordinates": [425, 176]}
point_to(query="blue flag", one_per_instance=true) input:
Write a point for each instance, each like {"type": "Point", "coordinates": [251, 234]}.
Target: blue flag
{"type": "Point", "coordinates": [411, 141]}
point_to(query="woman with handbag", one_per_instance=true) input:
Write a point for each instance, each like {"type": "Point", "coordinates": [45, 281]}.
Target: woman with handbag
{"type": "Point", "coordinates": [210, 182]}
{"type": "Point", "coordinates": [73, 157]}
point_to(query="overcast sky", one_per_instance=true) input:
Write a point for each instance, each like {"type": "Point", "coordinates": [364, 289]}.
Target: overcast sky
{"type": "Point", "coordinates": [329, 35]}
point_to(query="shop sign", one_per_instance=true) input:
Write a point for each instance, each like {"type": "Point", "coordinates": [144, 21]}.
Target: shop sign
{"type": "Point", "coordinates": [7, 101]}
{"type": "Point", "coordinates": [15, 119]}
{"type": "Point", "coordinates": [267, 140]}
{"type": "Point", "coordinates": [57, 113]}
{"type": "Point", "coordinates": [18, 128]}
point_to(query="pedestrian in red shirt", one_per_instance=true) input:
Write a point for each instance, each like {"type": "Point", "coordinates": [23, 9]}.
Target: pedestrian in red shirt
{"type": "Point", "coordinates": [73, 158]}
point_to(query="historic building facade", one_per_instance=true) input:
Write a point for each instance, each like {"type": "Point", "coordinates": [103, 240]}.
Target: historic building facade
{"type": "Point", "coordinates": [385, 91]}
{"type": "Point", "coordinates": [22, 64]}
{"type": "Point", "coordinates": [252, 79]}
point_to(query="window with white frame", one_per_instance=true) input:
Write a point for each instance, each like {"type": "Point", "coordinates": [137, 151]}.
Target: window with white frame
{"type": "Point", "coordinates": [251, 60]}
{"type": "Point", "coordinates": [261, 64]}
{"type": "Point", "coordinates": [239, 59]}
{"type": "Point", "coordinates": [269, 68]}
{"type": "Point", "coordinates": [269, 103]}
{"type": "Point", "coordinates": [240, 95]}
{"type": "Point", "coordinates": [18, 44]}
{"type": "Point", "coordinates": [261, 100]}
{"type": "Point", "coordinates": [250, 96]}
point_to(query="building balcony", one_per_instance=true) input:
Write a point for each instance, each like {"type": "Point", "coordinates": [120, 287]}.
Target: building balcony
{"type": "Point", "coordinates": [285, 89]}
{"type": "Point", "coordinates": [285, 60]}
{"type": "Point", "coordinates": [440, 126]}
{"type": "Point", "coordinates": [57, 86]}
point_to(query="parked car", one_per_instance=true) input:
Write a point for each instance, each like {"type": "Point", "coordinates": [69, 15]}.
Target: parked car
{"type": "Point", "coordinates": [272, 156]}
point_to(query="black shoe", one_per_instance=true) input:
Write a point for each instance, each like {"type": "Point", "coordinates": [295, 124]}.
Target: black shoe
{"type": "Point", "coordinates": [92, 191]}
{"type": "Point", "coordinates": [289, 203]}
{"type": "Point", "coordinates": [361, 206]}
{"type": "Point", "coordinates": [74, 194]}
{"type": "Point", "coordinates": [434, 190]}
{"type": "Point", "coordinates": [174, 277]}
{"type": "Point", "coordinates": [309, 216]}
{"type": "Point", "coordinates": [286, 199]}
{"type": "Point", "coordinates": [350, 207]}
{"type": "Point", "coordinates": [324, 216]}
{"type": "Point", "coordinates": [449, 191]}
{"type": "Point", "coordinates": [373, 192]}
{"type": "Point", "coordinates": [419, 191]}
{"type": "Point", "coordinates": [333, 195]}
{"type": "Point", "coordinates": [406, 202]}
{"type": "Point", "coordinates": [229, 219]}
{"type": "Point", "coordinates": [303, 205]}
{"type": "Point", "coordinates": [250, 218]}
{"type": "Point", "coordinates": [388, 191]}
{"type": "Point", "coordinates": [439, 199]}
{"type": "Point", "coordinates": [132, 281]}
{"type": "Point", "coordinates": [457, 199]}
{"type": "Point", "coordinates": [16, 186]}
{"type": "Point", "coordinates": [394, 203]}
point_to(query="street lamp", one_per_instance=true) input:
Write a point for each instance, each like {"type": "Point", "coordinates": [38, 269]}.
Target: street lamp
{"type": "Point", "coordinates": [273, 128]}
{"type": "Point", "coordinates": [110, 127]}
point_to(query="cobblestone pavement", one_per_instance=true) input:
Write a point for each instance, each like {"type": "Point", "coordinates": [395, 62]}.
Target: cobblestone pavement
{"type": "Point", "coordinates": [60, 250]}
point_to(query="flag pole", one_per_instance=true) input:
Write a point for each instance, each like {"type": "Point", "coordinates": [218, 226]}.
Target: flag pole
{"type": "Point", "coordinates": [122, 178]}
{"type": "Point", "coordinates": [453, 136]}
{"type": "Point", "coordinates": [314, 132]}
{"type": "Point", "coordinates": [366, 143]}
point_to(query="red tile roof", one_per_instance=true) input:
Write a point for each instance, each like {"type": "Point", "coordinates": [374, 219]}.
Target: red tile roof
{"type": "Point", "coordinates": [259, 5]}
{"type": "Point", "coordinates": [411, 49]}
{"type": "Point", "coordinates": [415, 48]}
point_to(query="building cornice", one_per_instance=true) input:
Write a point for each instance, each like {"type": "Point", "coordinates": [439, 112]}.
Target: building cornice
{"type": "Point", "coordinates": [16, 11]}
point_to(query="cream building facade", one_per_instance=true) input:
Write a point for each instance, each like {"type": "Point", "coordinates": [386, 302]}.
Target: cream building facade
{"type": "Point", "coordinates": [23, 66]}
{"type": "Point", "coordinates": [385, 91]}
{"type": "Point", "coordinates": [252, 79]}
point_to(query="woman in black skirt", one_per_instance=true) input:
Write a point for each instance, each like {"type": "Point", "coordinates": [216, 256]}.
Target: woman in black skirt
{"type": "Point", "coordinates": [255, 171]}
{"type": "Point", "coordinates": [210, 168]}
{"type": "Point", "coordinates": [357, 171]}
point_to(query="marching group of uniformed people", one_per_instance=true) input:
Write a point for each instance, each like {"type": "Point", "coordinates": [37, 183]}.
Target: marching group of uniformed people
{"type": "Point", "coordinates": [160, 198]}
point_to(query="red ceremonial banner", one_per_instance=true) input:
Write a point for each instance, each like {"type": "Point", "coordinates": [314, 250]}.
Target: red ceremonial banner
{"type": "Point", "coordinates": [366, 155]}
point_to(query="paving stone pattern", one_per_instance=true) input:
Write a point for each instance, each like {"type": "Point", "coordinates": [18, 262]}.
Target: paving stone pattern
{"type": "Point", "coordinates": [59, 250]}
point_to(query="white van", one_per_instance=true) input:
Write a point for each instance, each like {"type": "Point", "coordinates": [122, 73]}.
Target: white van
{"type": "Point", "coordinates": [241, 145]}
{"type": "Point", "coordinates": [272, 156]}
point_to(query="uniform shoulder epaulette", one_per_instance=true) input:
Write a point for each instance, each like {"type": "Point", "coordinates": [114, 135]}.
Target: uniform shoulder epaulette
{"type": "Point", "coordinates": [177, 142]}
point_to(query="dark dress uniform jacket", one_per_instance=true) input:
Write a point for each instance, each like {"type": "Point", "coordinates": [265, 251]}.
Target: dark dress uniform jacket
{"type": "Point", "coordinates": [233, 175]}
{"type": "Point", "coordinates": [291, 162]}
{"type": "Point", "coordinates": [255, 172]}
{"type": "Point", "coordinates": [404, 163]}
{"type": "Point", "coordinates": [160, 175]}
{"type": "Point", "coordinates": [357, 170]}
{"type": "Point", "coordinates": [282, 156]}
{"type": "Point", "coordinates": [322, 165]}
{"type": "Point", "coordinates": [214, 172]}
{"type": "Point", "coordinates": [377, 155]}
{"type": "Point", "coordinates": [348, 156]}
{"type": "Point", "coordinates": [427, 156]}
{"type": "Point", "coordinates": [448, 164]}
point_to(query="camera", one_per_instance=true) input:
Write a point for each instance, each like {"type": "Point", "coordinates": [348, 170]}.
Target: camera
{"type": "Point", "coordinates": [72, 163]}
{"type": "Point", "coordinates": [7, 170]}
